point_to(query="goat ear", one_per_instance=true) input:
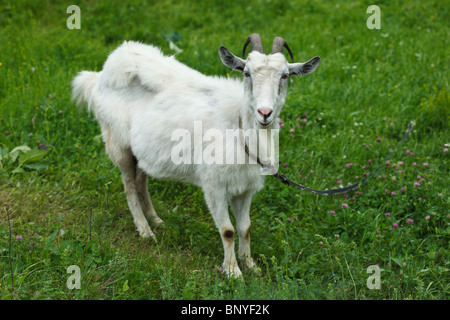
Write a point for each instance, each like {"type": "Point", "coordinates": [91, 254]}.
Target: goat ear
{"type": "Point", "coordinates": [230, 60]}
{"type": "Point", "coordinates": [300, 69]}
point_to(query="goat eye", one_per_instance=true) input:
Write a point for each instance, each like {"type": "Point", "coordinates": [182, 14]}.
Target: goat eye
{"type": "Point", "coordinates": [247, 74]}
{"type": "Point", "coordinates": [284, 76]}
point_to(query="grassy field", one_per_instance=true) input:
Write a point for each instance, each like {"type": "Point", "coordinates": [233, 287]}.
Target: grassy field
{"type": "Point", "coordinates": [62, 201]}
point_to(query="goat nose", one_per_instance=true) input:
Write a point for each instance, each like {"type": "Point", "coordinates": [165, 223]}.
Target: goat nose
{"type": "Point", "coordinates": [265, 112]}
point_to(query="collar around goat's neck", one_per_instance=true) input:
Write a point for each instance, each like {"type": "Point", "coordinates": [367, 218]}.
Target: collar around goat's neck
{"type": "Point", "coordinates": [266, 165]}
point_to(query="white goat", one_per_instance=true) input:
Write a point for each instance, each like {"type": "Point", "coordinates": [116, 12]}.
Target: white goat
{"type": "Point", "coordinates": [141, 97]}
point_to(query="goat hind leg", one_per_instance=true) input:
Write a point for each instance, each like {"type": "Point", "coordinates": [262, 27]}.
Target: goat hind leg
{"type": "Point", "coordinates": [127, 166]}
{"type": "Point", "coordinates": [124, 159]}
{"type": "Point", "coordinates": [144, 199]}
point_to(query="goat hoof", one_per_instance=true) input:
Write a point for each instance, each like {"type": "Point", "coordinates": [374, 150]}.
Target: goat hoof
{"type": "Point", "coordinates": [233, 272]}
{"type": "Point", "coordinates": [158, 224]}
{"type": "Point", "coordinates": [147, 233]}
{"type": "Point", "coordinates": [250, 266]}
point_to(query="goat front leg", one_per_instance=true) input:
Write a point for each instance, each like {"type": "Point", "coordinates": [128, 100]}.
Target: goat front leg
{"type": "Point", "coordinates": [240, 205]}
{"type": "Point", "coordinates": [218, 206]}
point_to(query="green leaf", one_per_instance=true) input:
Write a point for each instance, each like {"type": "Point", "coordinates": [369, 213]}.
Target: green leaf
{"type": "Point", "coordinates": [17, 151]}
{"type": "Point", "coordinates": [125, 286]}
{"type": "Point", "coordinates": [18, 170]}
{"type": "Point", "coordinates": [37, 166]}
{"type": "Point", "coordinates": [32, 156]}
{"type": "Point", "coordinates": [397, 261]}
{"type": "Point", "coordinates": [22, 279]}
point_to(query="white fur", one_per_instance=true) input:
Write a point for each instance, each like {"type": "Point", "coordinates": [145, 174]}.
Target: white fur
{"type": "Point", "coordinates": [141, 96]}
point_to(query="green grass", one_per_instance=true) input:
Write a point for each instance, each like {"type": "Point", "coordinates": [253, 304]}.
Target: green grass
{"type": "Point", "coordinates": [65, 200]}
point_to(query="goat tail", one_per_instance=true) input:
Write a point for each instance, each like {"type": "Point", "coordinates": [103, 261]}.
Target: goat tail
{"type": "Point", "coordinates": [83, 88]}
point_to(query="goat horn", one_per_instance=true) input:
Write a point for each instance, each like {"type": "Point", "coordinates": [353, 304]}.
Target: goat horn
{"type": "Point", "coordinates": [256, 42]}
{"type": "Point", "coordinates": [278, 45]}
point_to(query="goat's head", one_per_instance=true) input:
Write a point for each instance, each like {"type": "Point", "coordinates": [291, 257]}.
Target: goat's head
{"type": "Point", "coordinates": [266, 76]}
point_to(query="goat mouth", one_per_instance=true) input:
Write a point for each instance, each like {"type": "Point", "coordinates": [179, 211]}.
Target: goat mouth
{"type": "Point", "coordinates": [265, 124]}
